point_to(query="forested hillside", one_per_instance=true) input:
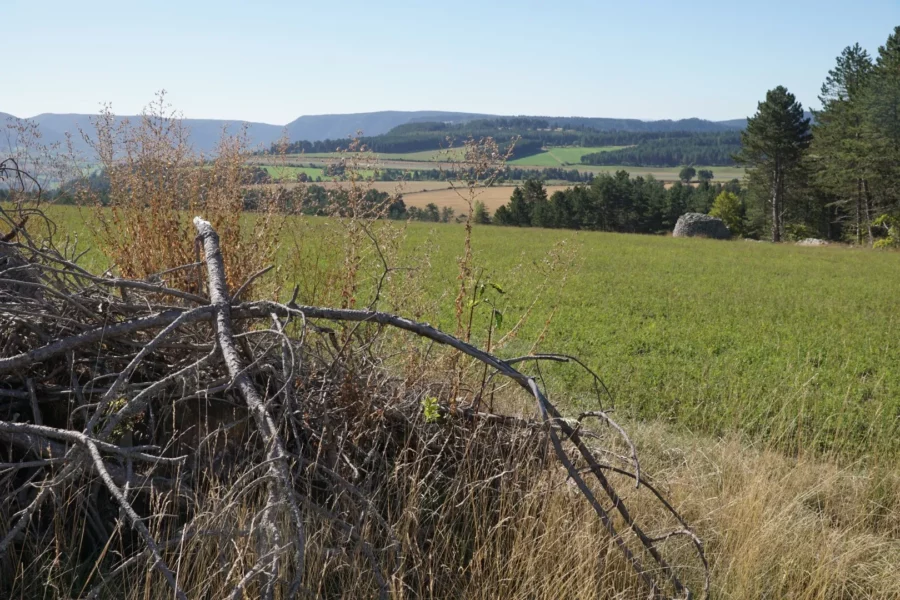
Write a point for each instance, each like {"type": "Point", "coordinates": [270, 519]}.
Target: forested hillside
{"type": "Point", "coordinates": [672, 150]}
{"type": "Point", "coordinates": [535, 133]}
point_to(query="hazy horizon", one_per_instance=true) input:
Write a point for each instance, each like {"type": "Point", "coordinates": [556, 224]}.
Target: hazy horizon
{"type": "Point", "coordinates": [239, 120]}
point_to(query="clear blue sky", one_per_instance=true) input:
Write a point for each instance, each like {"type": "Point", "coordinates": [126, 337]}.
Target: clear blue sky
{"type": "Point", "coordinates": [272, 61]}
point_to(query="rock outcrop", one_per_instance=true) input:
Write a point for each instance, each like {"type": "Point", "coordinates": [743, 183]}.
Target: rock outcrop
{"type": "Point", "coordinates": [700, 225]}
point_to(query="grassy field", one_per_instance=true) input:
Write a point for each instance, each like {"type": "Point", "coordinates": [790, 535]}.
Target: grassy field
{"type": "Point", "coordinates": [666, 173]}
{"type": "Point", "coordinates": [759, 383]}
{"type": "Point", "coordinates": [407, 164]}
{"type": "Point", "coordinates": [424, 156]}
{"type": "Point", "coordinates": [290, 172]}
{"type": "Point", "coordinates": [560, 156]}
{"type": "Point", "coordinates": [796, 346]}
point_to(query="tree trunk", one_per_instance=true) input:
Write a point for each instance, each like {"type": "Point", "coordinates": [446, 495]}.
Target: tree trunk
{"type": "Point", "coordinates": [868, 211]}
{"type": "Point", "coordinates": [776, 207]}
{"type": "Point", "coordinates": [859, 212]}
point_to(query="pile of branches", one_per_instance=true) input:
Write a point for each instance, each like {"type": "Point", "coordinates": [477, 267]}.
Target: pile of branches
{"type": "Point", "coordinates": [130, 395]}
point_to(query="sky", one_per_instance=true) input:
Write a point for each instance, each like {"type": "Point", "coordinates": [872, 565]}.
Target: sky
{"type": "Point", "coordinates": [272, 61]}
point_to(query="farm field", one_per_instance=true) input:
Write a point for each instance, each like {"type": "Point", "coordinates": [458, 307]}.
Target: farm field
{"type": "Point", "coordinates": [665, 173]}
{"type": "Point", "coordinates": [794, 346]}
{"type": "Point", "coordinates": [560, 156]}
{"type": "Point", "coordinates": [797, 346]}
{"type": "Point", "coordinates": [537, 162]}
{"type": "Point", "coordinates": [493, 197]}
{"type": "Point", "coordinates": [290, 172]}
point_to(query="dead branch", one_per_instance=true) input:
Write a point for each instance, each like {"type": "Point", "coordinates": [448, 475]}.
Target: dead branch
{"type": "Point", "coordinates": [97, 389]}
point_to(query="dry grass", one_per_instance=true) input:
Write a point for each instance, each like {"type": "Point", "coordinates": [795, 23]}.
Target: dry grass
{"type": "Point", "coordinates": [493, 197]}
{"type": "Point", "coordinates": [779, 527]}
{"type": "Point", "coordinates": [156, 183]}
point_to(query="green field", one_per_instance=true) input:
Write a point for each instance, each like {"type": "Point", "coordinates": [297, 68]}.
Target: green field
{"type": "Point", "coordinates": [796, 346]}
{"type": "Point", "coordinates": [564, 157]}
{"type": "Point", "coordinates": [290, 173]}
{"type": "Point", "coordinates": [560, 156]}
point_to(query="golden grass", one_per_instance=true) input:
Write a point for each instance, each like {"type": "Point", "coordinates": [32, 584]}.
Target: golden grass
{"type": "Point", "coordinates": [493, 197]}
{"type": "Point", "coordinates": [780, 527]}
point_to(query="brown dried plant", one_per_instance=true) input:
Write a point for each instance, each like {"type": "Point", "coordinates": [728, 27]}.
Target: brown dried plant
{"type": "Point", "coordinates": [157, 182]}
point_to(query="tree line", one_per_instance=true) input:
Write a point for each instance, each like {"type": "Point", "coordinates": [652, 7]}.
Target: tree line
{"type": "Point", "coordinates": [835, 176]}
{"type": "Point", "coordinates": [838, 177]}
{"type": "Point", "coordinates": [616, 202]}
{"type": "Point", "coordinates": [510, 173]}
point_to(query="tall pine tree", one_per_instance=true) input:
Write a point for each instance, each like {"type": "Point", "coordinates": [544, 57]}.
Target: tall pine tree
{"type": "Point", "coordinates": [840, 150]}
{"type": "Point", "coordinates": [882, 124]}
{"type": "Point", "coordinates": [773, 145]}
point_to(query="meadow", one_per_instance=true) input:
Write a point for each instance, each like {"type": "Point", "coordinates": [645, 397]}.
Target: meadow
{"type": "Point", "coordinates": [796, 347]}
{"type": "Point", "coordinates": [560, 156]}
{"type": "Point", "coordinates": [793, 345]}
{"type": "Point", "coordinates": [758, 382]}
{"type": "Point", "coordinates": [289, 173]}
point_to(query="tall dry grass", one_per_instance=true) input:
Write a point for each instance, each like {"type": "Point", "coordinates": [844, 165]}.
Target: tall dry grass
{"type": "Point", "coordinates": [152, 183]}
{"type": "Point", "coordinates": [477, 513]}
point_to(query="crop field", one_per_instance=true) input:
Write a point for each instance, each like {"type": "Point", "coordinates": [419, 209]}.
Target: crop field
{"type": "Point", "coordinates": [290, 173]}
{"type": "Point", "coordinates": [407, 162]}
{"type": "Point", "coordinates": [792, 345]}
{"type": "Point", "coordinates": [493, 197]}
{"type": "Point", "coordinates": [560, 156]}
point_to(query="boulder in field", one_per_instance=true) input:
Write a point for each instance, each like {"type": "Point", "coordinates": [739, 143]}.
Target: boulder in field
{"type": "Point", "coordinates": [700, 225]}
{"type": "Point", "coordinates": [812, 242]}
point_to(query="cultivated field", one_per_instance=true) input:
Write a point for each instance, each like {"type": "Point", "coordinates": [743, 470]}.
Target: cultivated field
{"type": "Point", "coordinates": [290, 173]}
{"type": "Point", "coordinates": [493, 197]}
{"type": "Point", "coordinates": [563, 157]}
{"type": "Point", "coordinates": [560, 156]}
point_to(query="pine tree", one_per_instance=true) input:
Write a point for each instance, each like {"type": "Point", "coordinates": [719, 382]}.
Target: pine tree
{"type": "Point", "coordinates": [519, 209]}
{"type": "Point", "coordinates": [840, 150]}
{"type": "Point", "coordinates": [882, 121]}
{"type": "Point", "coordinates": [536, 197]}
{"type": "Point", "coordinates": [480, 215]}
{"type": "Point", "coordinates": [773, 145]}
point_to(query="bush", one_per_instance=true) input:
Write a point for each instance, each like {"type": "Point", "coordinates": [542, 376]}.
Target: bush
{"type": "Point", "coordinates": [728, 207]}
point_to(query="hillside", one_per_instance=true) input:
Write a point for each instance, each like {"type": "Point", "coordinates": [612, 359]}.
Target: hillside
{"type": "Point", "coordinates": [205, 133]}
{"type": "Point", "coordinates": [322, 127]}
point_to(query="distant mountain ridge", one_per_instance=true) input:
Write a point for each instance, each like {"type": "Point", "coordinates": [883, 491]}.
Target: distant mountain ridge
{"type": "Point", "coordinates": [205, 133]}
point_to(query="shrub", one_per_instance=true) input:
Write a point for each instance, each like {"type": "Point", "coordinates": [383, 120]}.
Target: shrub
{"type": "Point", "coordinates": [728, 207]}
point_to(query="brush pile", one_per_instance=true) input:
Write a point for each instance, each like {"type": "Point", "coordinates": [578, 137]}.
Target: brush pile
{"type": "Point", "coordinates": [216, 446]}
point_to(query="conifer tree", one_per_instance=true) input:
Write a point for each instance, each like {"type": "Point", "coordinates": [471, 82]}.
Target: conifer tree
{"type": "Point", "coordinates": [840, 149]}
{"type": "Point", "coordinates": [773, 145]}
